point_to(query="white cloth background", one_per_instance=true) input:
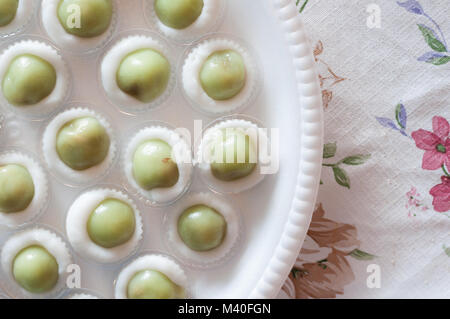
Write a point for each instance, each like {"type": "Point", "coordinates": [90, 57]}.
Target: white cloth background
{"type": "Point", "coordinates": [366, 73]}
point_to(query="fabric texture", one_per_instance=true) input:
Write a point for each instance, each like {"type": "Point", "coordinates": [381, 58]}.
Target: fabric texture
{"type": "Point", "coordinates": [382, 224]}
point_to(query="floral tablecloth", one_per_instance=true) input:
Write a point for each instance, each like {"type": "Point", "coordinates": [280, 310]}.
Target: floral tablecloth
{"type": "Point", "coordinates": [382, 223]}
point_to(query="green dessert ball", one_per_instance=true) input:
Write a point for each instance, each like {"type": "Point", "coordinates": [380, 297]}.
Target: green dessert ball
{"type": "Point", "coordinates": [202, 228]}
{"type": "Point", "coordinates": [28, 80]}
{"type": "Point", "coordinates": [82, 143]}
{"type": "Point", "coordinates": [153, 166]}
{"type": "Point", "coordinates": [35, 269]}
{"type": "Point", "coordinates": [178, 14]}
{"type": "Point", "coordinates": [94, 17]}
{"type": "Point", "coordinates": [223, 75]}
{"type": "Point", "coordinates": [144, 74]}
{"type": "Point", "coordinates": [111, 224]}
{"type": "Point", "coordinates": [8, 10]}
{"type": "Point", "coordinates": [152, 284]}
{"type": "Point", "coordinates": [238, 156]}
{"type": "Point", "coordinates": [16, 188]}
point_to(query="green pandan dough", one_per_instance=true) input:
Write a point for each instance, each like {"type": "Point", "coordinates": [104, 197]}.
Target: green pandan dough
{"type": "Point", "coordinates": [35, 269]}
{"type": "Point", "coordinates": [16, 188]}
{"type": "Point", "coordinates": [152, 284]}
{"type": "Point", "coordinates": [178, 14]}
{"type": "Point", "coordinates": [202, 228]}
{"type": "Point", "coordinates": [82, 143]}
{"type": "Point", "coordinates": [111, 224]}
{"type": "Point", "coordinates": [28, 80]}
{"type": "Point", "coordinates": [153, 166]}
{"type": "Point", "coordinates": [238, 158]}
{"type": "Point", "coordinates": [223, 75]}
{"type": "Point", "coordinates": [8, 10]}
{"type": "Point", "coordinates": [94, 17]}
{"type": "Point", "coordinates": [144, 74]}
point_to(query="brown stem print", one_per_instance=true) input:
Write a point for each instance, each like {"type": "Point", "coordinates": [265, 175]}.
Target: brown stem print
{"type": "Point", "coordinates": [328, 78]}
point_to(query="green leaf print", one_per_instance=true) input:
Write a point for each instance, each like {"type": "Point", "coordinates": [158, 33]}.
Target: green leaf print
{"type": "Point", "coordinates": [303, 5]}
{"type": "Point", "coordinates": [329, 150]}
{"type": "Point", "coordinates": [298, 273]}
{"type": "Point", "coordinates": [440, 61]}
{"type": "Point", "coordinates": [431, 39]}
{"type": "Point", "coordinates": [355, 160]}
{"type": "Point", "coordinates": [398, 115]}
{"type": "Point", "coordinates": [446, 250]}
{"type": "Point", "coordinates": [341, 176]}
{"type": "Point", "coordinates": [361, 255]}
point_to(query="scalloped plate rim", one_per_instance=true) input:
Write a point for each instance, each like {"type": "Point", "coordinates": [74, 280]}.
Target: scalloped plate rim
{"type": "Point", "coordinates": [299, 217]}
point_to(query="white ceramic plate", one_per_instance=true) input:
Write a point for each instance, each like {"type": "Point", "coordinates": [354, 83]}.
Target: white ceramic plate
{"type": "Point", "coordinates": [277, 213]}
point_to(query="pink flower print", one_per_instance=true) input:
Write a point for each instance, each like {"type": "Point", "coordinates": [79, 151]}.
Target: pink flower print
{"type": "Point", "coordinates": [436, 144]}
{"type": "Point", "coordinates": [441, 194]}
{"type": "Point", "coordinates": [415, 202]}
{"type": "Point", "coordinates": [412, 192]}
